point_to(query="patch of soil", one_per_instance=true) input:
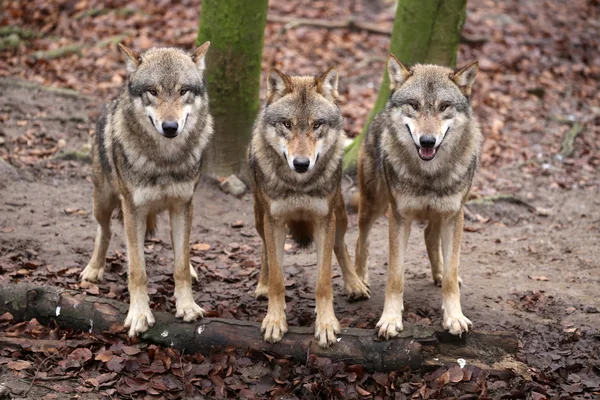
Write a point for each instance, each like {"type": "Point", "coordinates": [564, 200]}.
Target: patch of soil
{"type": "Point", "coordinates": [531, 274]}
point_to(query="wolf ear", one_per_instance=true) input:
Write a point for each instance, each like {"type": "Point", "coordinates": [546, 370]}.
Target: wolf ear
{"type": "Point", "coordinates": [278, 85]}
{"type": "Point", "coordinates": [327, 84]}
{"type": "Point", "coordinates": [133, 58]}
{"type": "Point", "coordinates": [465, 76]}
{"type": "Point", "coordinates": [199, 54]}
{"type": "Point", "coordinates": [397, 71]}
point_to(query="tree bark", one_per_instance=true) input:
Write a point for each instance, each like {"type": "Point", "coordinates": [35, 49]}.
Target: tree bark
{"type": "Point", "coordinates": [236, 32]}
{"type": "Point", "coordinates": [424, 32]}
{"type": "Point", "coordinates": [417, 347]}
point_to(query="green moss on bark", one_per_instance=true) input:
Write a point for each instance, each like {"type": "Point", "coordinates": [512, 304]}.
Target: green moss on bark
{"type": "Point", "coordinates": [424, 32]}
{"type": "Point", "coordinates": [236, 32]}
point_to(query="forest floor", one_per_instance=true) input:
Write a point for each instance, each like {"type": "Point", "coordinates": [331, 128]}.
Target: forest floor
{"type": "Point", "coordinates": [530, 268]}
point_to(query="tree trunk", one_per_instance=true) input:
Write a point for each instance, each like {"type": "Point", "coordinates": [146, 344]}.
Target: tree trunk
{"type": "Point", "coordinates": [424, 32]}
{"type": "Point", "coordinates": [417, 347]}
{"type": "Point", "coordinates": [236, 32]}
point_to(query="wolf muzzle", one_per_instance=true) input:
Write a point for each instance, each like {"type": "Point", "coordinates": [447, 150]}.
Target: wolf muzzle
{"type": "Point", "coordinates": [301, 164]}
{"type": "Point", "coordinates": [170, 129]}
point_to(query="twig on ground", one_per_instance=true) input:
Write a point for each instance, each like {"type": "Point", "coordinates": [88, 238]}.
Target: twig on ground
{"type": "Point", "coordinates": [352, 24]}
{"type": "Point", "coordinates": [567, 146]}
{"type": "Point", "coordinates": [41, 343]}
{"type": "Point", "coordinates": [36, 372]}
{"type": "Point", "coordinates": [509, 198]}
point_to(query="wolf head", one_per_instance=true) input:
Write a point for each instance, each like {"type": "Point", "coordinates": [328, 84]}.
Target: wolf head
{"type": "Point", "coordinates": [166, 85]}
{"type": "Point", "coordinates": [429, 105]}
{"type": "Point", "coordinates": [302, 119]}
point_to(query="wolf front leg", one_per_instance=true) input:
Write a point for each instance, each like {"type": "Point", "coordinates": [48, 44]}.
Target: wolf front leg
{"type": "Point", "coordinates": [274, 325]}
{"type": "Point", "coordinates": [451, 233]}
{"type": "Point", "coordinates": [327, 325]}
{"type": "Point", "coordinates": [140, 317]}
{"type": "Point", "coordinates": [390, 323]}
{"type": "Point", "coordinates": [181, 225]}
{"type": "Point", "coordinates": [262, 289]}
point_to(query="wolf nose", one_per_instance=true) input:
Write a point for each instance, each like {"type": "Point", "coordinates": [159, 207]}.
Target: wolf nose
{"type": "Point", "coordinates": [170, 128]}
{"type": "Point", "coordinates": [427, 141]}
{"type": "Point", "coordinates": [301, 164]}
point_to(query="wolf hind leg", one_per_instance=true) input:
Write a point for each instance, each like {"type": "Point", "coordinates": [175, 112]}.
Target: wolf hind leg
{"type": "Point", "coordinates": [354, 285]}
{"type": "Point", "coordinates": [105, 201]}
{"type": "Point", "coordinates": [150, 225]}
{"type": "Point", "coordinates": [369, 209]}
{"type": "Point", "coordinates": [433, 242]}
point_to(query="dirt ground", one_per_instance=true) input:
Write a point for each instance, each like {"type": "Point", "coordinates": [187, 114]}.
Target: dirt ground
{"type": "Point", "coordinates": [532, 272]}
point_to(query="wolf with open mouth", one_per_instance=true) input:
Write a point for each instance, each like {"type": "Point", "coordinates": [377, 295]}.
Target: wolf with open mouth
{"type": "Point", "coordinates": [419, 158]}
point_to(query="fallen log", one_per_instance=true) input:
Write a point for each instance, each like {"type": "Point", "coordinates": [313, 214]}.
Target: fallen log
{"type": "Point", "coordinates": [417, 347]}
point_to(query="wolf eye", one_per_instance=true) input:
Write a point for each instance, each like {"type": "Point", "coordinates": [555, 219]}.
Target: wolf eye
{"type": "Point", "coordinates": [287, 124]}
{"type": "Point", "coordinates": [182, 92]}
{"type": "Point", "coordinates": [153, 92]}
{"type": "Point", "coordinates": [444, 106]}
{"type": "Point", "coordinates": [317, 125]}
{"type": "Point", "coordinates": [414, 105]}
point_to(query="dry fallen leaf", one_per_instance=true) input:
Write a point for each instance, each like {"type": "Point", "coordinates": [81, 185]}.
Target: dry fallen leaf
{"type": "Point", "coordinates": [201, 246]}
{"type": "Point", "coordinates": [19, 365]}
{"type": "Point", "coordinates": [538, 278]}
{"type": "Point", "coordinates": [104, 356]}
{"type": "Point", "coordinates": [75, 211]}
{"type": "Point", "coordinates": [456, 374]}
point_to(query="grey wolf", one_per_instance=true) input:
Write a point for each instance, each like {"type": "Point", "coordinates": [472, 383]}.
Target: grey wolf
{"type": "Point", "coordinates": [418, 159]}
{"type": "Point", "coordinates": [146, 157]}
{"type": "Point", "coordinates": [295, 163]}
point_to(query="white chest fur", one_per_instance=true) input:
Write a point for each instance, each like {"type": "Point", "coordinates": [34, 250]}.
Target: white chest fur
{"type": "Point", "coordinates": [155, 196]}
{"type": "Point", "coordinates": [295, 205]}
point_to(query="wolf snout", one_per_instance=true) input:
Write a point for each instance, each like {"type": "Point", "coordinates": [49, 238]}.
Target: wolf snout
{"type": "Point", "coordinates": [301, 164]}
{"type": "Point", "coordinates": [170, 128]}
{"type": "Point", "coordinates": [427, 141]}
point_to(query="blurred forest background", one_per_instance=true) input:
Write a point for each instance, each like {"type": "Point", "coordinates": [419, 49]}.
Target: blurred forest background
{"type": "Point", "coordinates": [539, 63]}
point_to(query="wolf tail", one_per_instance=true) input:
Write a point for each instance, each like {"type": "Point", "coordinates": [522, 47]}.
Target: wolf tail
{"type": "Point", "coordinates": [302, 232]}
{"type": "Point", "coordinates": [150, 225]}
{"type": "Point", "coordinates": [150, 222]}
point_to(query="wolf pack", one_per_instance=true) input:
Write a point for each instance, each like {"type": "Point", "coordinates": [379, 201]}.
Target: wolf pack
{"type": "Point", "coordinates": [416, 162]}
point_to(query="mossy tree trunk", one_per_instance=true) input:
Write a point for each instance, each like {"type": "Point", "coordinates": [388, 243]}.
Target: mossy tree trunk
{"type": "Point", "coordinates": [236, 32]}
{"type": "Point", "coordinates": [424, 32]}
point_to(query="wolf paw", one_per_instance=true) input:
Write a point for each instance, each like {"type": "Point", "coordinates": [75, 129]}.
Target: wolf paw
{"type": "Point", "coordinates": [274, 326]}
{"type": "Point", "coordinates": [92, 273]}
{"type": "Point", "coordinates": [194, 273]}
{"type": "Point", "coordinates": [437, 279]}
{"type": "Point", "coordinates": [325, 330]}
{"type": "Point", "coordinates": [364, 277]}
{"type": "Point", "coordinates": [261, 292]}
{"type": "Point", "coordinates": [139, 319]}
{"type": "Point", "coordinates": [357, 289]}
{"type": "Point", "coordinates": [457, 324]}
{"type": "Point", "coordinates": [188, 310]}
{"type": "Point", "coordinates": [390, 325]}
